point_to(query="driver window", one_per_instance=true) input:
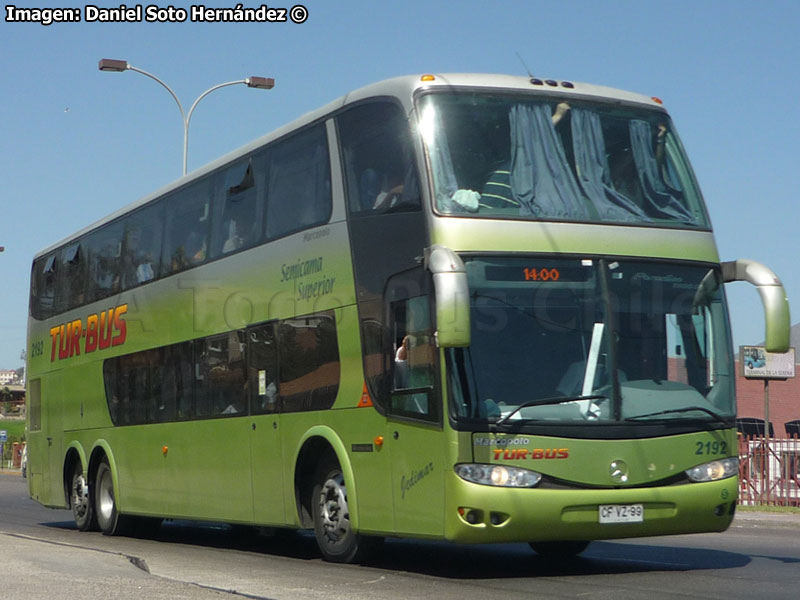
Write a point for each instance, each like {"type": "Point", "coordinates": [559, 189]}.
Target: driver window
{"type": "Point", "coordinates": [414, 360]}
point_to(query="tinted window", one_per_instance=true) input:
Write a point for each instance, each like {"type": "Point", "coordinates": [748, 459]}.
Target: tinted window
{"type": "Point", "coordinates": [74, 276]}
{"type": "Point", "coordinates": [105, 268]}
{"type": "Point", "coordinates": [188, 227]}
{"type": "Point", "coordinates": [238, 218]}
{"type": "Point", "coordinates": [150, 386]}
{"type": "Point", "coordinates": [262, 368]}
{"type": "Point", "coordinates": [43, 287]}
{"type": "Point", "coordinates": [141, 246]}
{"type": "Point", "coordinates": [133, 387]}
{"type": "Point", "coordinates": [378, 162]}
{"type": "Point", "coordinates": [221, 376]}
{"type": "Point", "coordinates": [299, 189]}
{"type": "Point", "coordinates": [217, 376]}
{"type": "Point", "coordinates": [309, 363]}
{"type": "Point", "coordinates": [414, 360]}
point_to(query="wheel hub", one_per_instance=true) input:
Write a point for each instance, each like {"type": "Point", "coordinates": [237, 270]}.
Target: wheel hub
{"type": "Point", "coordinates": [105, 497]}
{"type": "Point", "coordinates": [333, 509]}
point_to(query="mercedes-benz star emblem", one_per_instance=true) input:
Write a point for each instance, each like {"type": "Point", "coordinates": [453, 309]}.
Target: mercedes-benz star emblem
{"type": "Point", "coordinates": [618, 471]}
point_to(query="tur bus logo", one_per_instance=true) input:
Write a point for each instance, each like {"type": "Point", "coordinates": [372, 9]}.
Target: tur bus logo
{"type": "Point", "coordinates": [102, 330]}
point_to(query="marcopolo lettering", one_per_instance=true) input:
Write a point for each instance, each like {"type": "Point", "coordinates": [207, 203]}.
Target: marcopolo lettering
{"type": "Point", "coordinates": [502, 441]}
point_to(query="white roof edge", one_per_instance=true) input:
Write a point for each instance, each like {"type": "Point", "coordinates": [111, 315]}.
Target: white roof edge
{"type": "Point", "coordinates": [403, 87]}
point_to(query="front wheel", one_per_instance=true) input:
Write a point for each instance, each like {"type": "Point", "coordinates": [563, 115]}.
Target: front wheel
{"type": "Point", "coordinates": [561, 549]}
{"type": "Point", "coordinates": [332, 527]}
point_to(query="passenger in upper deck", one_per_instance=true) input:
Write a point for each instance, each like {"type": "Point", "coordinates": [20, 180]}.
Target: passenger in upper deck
{"type": "Point", "coordinates": [496, 192]}
{"type": "Point", "coordinates": [137, 263]}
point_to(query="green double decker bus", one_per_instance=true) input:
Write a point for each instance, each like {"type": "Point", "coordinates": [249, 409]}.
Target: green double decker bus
{"type": "Point", "coordinates": [474, 308]}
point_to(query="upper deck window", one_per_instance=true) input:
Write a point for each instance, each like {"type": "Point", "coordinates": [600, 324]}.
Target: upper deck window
{"type": "Point", "coordinates": [503, 156]}
{"type": "Point", "coordinates": [377, 151]}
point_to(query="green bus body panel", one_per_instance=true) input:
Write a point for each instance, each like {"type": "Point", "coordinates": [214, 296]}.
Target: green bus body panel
{"type": "Point", "coordinates": [540, 515]}
{"type": "Point", "coordinates": [587, 462]}
{"type": "Point", "coordinates": [559, 514]}
{"type": "Point", "coordinates": [485, 236]}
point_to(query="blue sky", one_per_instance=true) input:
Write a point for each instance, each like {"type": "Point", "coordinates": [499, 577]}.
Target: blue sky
{"type": "Point", "coordinates": [76, 143]}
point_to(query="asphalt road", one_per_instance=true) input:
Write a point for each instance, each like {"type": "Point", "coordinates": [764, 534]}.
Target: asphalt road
{"type": "Point", "coordinates": [42, 555]}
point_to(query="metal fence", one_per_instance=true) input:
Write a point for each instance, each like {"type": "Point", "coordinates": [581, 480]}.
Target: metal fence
{"type": "Point", "coordinates": [769, 471]}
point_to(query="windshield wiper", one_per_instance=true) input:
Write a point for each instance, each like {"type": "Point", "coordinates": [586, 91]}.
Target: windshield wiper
{"type": "Point", "coordinates": [718, 417]}
{"type": "Point", "coordinates": [546, 401]}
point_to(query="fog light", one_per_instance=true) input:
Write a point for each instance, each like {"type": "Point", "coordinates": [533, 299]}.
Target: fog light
{"type": "Point", "coordinates": [496, 518]}
{"type": "Point", "coordinates": [473, 516]}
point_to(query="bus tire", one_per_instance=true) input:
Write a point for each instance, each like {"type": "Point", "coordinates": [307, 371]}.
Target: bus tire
{"type": "Point", "coordinates": [560, 549]}
{"type": "Point", "coordinates": [108, 518]}
{"type": "Point", "coordinates": [81, 501]}
{"type": "Point", "coordinates": [332, 526]}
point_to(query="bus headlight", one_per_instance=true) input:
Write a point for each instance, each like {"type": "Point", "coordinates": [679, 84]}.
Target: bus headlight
{"type": "Point", "coordinates": [714, 470]}
{"type": "Point", "coordinates": [498, 475]}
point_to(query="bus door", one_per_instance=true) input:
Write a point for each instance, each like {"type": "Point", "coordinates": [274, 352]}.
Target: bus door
{"type": "Point", "coordinates": [265, 434]}
{"type": "Point", "coordinates": [45, 440]}
{"type": "Point", "coordinates": [209, 455]}
{"type": "Point", "coordinates": [414, 421]}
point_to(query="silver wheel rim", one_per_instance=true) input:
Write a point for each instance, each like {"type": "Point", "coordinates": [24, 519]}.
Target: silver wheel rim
{"type": "Point", "coordinates": [80, 496]}
{"type": "Point", "coordinates": [105, 496]}
{"type": "Point", "coordinates": [334, 514]}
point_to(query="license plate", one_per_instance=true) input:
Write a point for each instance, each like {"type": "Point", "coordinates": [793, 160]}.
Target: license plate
{"type": "Point", "coordinates": [621, 513]}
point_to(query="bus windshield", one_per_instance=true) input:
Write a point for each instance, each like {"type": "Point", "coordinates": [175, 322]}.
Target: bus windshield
{"type": "Point", "coordinates": [592, 341]}
{"type": "Point", "coordinates": [507, 156]}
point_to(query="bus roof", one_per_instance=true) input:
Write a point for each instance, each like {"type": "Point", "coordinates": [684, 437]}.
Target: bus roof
{"type": "Point", "coordinates": [404, 88]}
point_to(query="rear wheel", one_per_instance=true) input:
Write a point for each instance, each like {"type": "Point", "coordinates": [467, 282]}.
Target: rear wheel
{"type": "Point", "coordinates": [336, 539]}
{"type": "Point", "coordinates": [108, 518]}
{"type": "Point", "coordinates": [81, 502]}
{"type": "Point", "coordinates": [561, 549]}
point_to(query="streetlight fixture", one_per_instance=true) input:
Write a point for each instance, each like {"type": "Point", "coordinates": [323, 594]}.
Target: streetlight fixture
{"type": "Point", "coordinates": [118, 66]}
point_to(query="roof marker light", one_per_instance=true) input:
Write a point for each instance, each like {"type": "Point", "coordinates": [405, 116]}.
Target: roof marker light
{"type": "Point", "coordinates": [551, 82]}
{"type": "Point", "coordinates": [427, 77]}
{"type": "Point", "coordinates": [568, 84]}
{"type": "Point", "coordinates": [657, 100]}
{"type": "Point", "coordinates": [536, 81]}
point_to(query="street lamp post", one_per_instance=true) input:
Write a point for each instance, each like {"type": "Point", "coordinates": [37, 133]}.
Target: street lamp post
{"type": "Point", "coordinates": [118, 66]}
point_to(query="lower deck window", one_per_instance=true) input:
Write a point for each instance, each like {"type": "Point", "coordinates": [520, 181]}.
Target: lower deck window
{"type": "Point", "coordinates": [289, 366]}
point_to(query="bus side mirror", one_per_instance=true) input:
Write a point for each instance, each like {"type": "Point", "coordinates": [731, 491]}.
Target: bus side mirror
{"type": "Point", "coordinates": [776, 306]}
{"type": "Point", "coordinates": [451, 296]}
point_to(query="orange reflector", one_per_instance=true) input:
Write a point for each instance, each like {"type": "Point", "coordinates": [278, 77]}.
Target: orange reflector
{"type": "Point", "coordinates": [657, 100]}
{"type": "Point", "coordinates": [427, 77]}
{"type": "Point", "coordinates": [365, 398]}
{"type": "Point", "coordinates": [378, 441]}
